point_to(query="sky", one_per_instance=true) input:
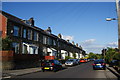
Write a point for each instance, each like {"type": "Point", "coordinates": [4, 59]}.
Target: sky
{"type": "Point", "coordinates": [58, 0]}
{"type": "Point", "coordinates": [82, 22]}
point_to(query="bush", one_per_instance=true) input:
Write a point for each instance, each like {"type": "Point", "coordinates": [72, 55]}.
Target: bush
{"type": "Point", "coordinates": [67, 57]}
{"type": "Point", "coordinates": [74, 55]}
{"type": "Point", "coordinates": [6, 44]}
{"type": "Point", "coordinates": [109, 54]}
{"type": "Point", "coordinates": [116, 56]}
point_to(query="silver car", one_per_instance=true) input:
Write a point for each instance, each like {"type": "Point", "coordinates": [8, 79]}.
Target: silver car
{"type": "Point", "coordinates": [71, 62]}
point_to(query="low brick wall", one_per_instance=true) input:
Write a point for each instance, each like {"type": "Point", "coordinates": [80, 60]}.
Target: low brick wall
{"type": "Point", "coordinates": [10, 60]}
{"type": "Point", "coordinates": [6, 58]}
{"type": "Point", "coordinates": [26, 61]}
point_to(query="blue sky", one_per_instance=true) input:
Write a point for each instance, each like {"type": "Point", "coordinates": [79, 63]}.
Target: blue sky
{"type": "Point", "coordinates": [81, 22]}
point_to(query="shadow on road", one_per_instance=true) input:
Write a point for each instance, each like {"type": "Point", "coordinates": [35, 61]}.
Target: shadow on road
{"type": "Point", "coordinates": [114, 73]}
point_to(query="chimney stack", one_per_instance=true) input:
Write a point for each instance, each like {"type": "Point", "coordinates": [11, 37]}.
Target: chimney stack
{"type": "Point", "coordinates": [48, 30]}
{"type": "Point", "coordinates": [68, 40]}
{"type": "Point", "coordinates": [80, 47]}
{"type": "Point", "coordinates": [59, 35]}
{"type": "Point", "coordinates": [31, 20]}
{"type": "Point", "coordinates": [73, 42]}
{"type": "Point", "coordinates": [77, 44]}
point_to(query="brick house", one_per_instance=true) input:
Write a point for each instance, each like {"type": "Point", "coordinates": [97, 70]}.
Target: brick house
{"type": "Point", "coordinates": [31, 44]}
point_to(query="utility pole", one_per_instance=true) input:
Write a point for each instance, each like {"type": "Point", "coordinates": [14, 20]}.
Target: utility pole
{"type": "Point", "coordinates": [118, 15]}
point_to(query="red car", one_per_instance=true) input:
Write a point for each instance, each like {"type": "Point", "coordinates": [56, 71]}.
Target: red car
{"type": "Point", "coordinates": [83, 61]}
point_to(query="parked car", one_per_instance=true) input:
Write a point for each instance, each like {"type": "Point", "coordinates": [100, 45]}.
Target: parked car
{"type": "Point", "coordinates": [113, 63]}
{"type": "Point", "coordinates": [83, 61]}
{"type": "Point", "coordinates": [78, 61]}
{"type": "Point", "coordinates": [99, 64]}
{"type": "Point", "coordinates": [53, 65]}
{"type": "Point", "coordinates": [70, 62]}
{"type": "Point", "coordinates": [86, 60]}
{"type": "Point", "coordinates": [92, 59]}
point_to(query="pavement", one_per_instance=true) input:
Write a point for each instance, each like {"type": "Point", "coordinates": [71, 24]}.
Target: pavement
{"type": "Point", "coordinates": [12, 73]}
{"type": "Point", "coordinates": [114, 71]}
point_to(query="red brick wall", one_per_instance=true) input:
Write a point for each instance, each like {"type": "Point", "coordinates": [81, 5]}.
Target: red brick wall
{"type": "Point", "coordinates": [3, 26]}
{"type": "Point", "coordinates": [6, 55]}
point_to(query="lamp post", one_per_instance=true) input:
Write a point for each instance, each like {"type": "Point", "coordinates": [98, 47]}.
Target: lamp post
{"type": "Point", "coordinates": [118, 15]}
{"type": "Point", "coordinates": [110, 19]}
{"type": "Point", "coordinates": [118, 19]}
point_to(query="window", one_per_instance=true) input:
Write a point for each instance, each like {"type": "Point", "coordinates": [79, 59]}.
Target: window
{"type": "Point", "coordinates": [16, 31]}
{"type": "Point", "coordinates": [41, 38]}
{"type": "Point", "coordinates": [29, 34]}
{"type": "Point", "coordinates": [64, 45]}
{"type": "Point", "coordinates": [33, 50]}
{"type": "Point", "coordinates": [16, 47]}
{"type": "Point", "coordinates": [44, 40]}
{"type": "Point", "coordinates": [0, 33]}
{"type": "Point", "coordinates": [54, 42]}
{"type": "Point", "coordinates": [44, 51]}
{"type": "Point", "coordinates": [35, 36]}
{"type": "Point", "coordinates": [49, 41]}
{"type": "Point", "coordinates": [25, 51]}
{"type": "Point", "coordinates": [29, 48]}
{"type": "Point", "coordinates": [58, 44]}
{"type": "Point", "coordinates": [24, 33]}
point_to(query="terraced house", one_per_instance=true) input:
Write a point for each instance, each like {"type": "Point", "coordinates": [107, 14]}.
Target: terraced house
{"type": "Point", "coordinates": [31, 44]}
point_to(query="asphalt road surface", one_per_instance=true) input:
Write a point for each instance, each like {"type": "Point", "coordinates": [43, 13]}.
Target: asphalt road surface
{"type": "Point", "coordinates": [83, 70]}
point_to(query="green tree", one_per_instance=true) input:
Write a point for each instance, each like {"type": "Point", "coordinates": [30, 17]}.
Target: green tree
{"type": "Point", "coordinates": [74, 55]}
{"type": "Point", "coordinates": [116, 56]}
{"type": "Point", "coordinates": [109, 54]}
{"type": "Point", "coordinates": [99, 56]}
{"type": "Point", "coordinates": [6, 43]}
{"type": "Point", "coordinates": [92, 55]}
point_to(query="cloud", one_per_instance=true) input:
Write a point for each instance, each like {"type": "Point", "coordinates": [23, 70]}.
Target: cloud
{"type": "Point", "coordinates": [90, 45]}
{"type": "Point", "coordinates": [93, 48]}
{"type": "Point", "coordinates": [88, 42]}
{"type": "Point", "coordinates": [67, 37]}
{"type": "Point", "coordinates": [112, 44]}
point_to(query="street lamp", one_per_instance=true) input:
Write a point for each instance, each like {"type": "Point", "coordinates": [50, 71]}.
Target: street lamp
{"type": "Point", "coordinates": [110, 19]}
{"type": "Point", "coordinates": [118, 19]}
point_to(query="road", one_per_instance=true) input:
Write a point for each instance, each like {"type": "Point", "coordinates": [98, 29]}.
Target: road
{"type": "Point", "coordinates": [83, 70]}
